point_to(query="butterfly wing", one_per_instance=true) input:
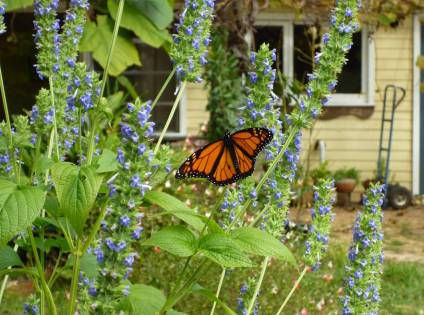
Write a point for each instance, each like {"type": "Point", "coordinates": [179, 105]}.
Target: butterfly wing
{"type": "Point", "coordinates": [226, 171]}
{"type": "Point", "coordinates": [202, 162]}
{"type": "Point", "coordinates": [247, 144]}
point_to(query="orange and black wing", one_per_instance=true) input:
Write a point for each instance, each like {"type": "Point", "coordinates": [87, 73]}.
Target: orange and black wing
{"type": "Point", "coordinates": [202, 162]}
{"type": "Point", "coordinates": [247, 144]}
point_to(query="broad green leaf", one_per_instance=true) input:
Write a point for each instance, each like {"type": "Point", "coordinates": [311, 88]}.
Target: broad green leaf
{"type": "Point", "coordinates": [89, 265]}
{"type": "Point", "coordinates": [147, 300]}
{"type": "Point", "coordinates": [52, 206]}
{"type": "Point", "coordinates": [42, 164]}
{"type": "Point", "coordinates": [126, 83]}
{"type": "Point", "coordinates": [258, 242]}
{"type": "Point", "coordinates": [174, 239]}
{"type": "Point", "coordinates": [135, 20]}
{"type": "Point", "coordinates": [76, 188]}
{"type": "Point", "coordinates": [9, 258]}
{"type": "Point", "coordinates": [158, 11]}
{"type": "Point", "coordinates": [12, 5]}
{"type": "Point", "coordinates": [115, 101]}
{"type": "Point", "coordinates": [223, 250]}
{"type": "Point", "coordinates": [19, 206]}
{"type": "Point", "coordinates": [175, 207]}
{"type": "Point", "coordinates": [107, 162]}
{"type": "Point", "coordinates": [198, 289]}
{"type": "Point", "coordinates": [97, 39]}
{"type": "Point", "coordinates": [46, 244]}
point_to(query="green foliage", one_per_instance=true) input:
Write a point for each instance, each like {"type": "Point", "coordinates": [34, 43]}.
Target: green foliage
{"type": "Point", "coordinates": [76, 189]}
{"type": "Point", "coordinates": [97, 39]}
{"type": "Point", "coordinates": [344, 173]}
{"type": "Point", "coordinates": [175, 207]}
{"type": "Point", "coordinates": [9, 258]}
{"type": "Point", "coordinates": [225, 86]}
{"type": "Point", "coordinates": [221, 249]}
{"type": "Point", "coordinates": [258, 242]}
{"type": "Point", "coordinates": [148, 19]}
{"type": "Point", "coordinates": [321, 172]}
{"type": "Point", "coordinates": [19, 206]}
{"type": "Point", "coordinates": [175, 239]}
{"type": "Point", "coordinates": [107, 162]}
{"type": "Point", "coordinates": [12, 5]}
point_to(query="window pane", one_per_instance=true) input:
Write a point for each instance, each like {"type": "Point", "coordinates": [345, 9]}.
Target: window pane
{"type": "Point", "coordinates": [351, 77]}
{"type": "Point", "coordinates": [149, 78]}
{"type": "Point", "coordinates": [17, 55]}
{"type": "Point", "coordinates": [273, 35]}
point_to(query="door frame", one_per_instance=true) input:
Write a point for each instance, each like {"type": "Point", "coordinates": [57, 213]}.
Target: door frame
{"type": "Point", "coordinates": [416, 167]}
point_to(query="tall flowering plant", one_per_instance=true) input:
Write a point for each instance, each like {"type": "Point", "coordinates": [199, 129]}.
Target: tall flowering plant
{"type": "Point", "coordinates": [364, 267]}
{"type": "Point", "coordinates": [2, 12]}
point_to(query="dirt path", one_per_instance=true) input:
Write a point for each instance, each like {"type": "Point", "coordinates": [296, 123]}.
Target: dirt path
{"type": "Point", "coordinates": [403, 231]}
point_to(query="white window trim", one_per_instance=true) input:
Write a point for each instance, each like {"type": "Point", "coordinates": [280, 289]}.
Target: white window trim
{"type": "Point", "coordinates": [416, 105]}
{"type": "Point", "coordinates": [287, 21]}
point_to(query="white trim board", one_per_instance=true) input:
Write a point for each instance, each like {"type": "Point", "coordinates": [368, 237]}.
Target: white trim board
{"type": "Point", "coordinates": [416, 106]}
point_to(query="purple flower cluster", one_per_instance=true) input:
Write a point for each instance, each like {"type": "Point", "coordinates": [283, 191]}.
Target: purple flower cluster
{"type": "Point", "coordinates": [2, 12]}
{"type": "Point", "coordinates": [246, 292]}
{"type": "Point", "coordinates": [364, 268]}
{"type": "Point", "coordinates": [191, 42]}
{"type": "Point", "coordinates": [319, 231]}
{"type": "Point", "coordinates": [122, 226]}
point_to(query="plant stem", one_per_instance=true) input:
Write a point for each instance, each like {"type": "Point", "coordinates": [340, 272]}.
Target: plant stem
{"type": "Point", "coordinates": [218, 290]}
{"type": "Point", "coordinates": [75, 277]}
{"type": "Point", "coordinates": [6, 278]}
{"type": "Point", "coordinates": [258, 285]}
{"type": "Point", "coordinates": [162, 89]}
{"type": "Point", "coordinates": [9, 125]}
{"type": "Point", "coordinates": [292, 290]}
{"type": "Point", "coordinates": [56, 136]}
{"type": "Point", "coordinates": [92, 136]}
{"type": "Point", "coordinates": [95, 228]}
{"type": "Point", "coordinates": [171, 115]}
{"type": "Point", "coordinates": [40, 270]}
{"type": "Point", "coordinates": [259, 216]}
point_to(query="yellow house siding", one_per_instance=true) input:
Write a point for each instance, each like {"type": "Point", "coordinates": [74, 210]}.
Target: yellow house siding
{"type": "Point", "coordinates": [353, 142]}
{"type": "Point", "coordinates": [195, 107]}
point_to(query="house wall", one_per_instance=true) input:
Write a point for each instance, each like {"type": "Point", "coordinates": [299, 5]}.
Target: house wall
{"type": "Point", "coordinates": [351, 141]}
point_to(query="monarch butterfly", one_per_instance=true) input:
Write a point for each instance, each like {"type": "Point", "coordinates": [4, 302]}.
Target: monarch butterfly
{"type": "Point", "coordinates": [228, 159]}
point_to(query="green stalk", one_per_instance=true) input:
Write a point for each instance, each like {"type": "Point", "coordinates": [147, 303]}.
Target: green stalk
{"type": "Point", "coordinates": [56, 135]}
{"type": "Point", "coordinates": [292, 290]}
{"type": "Point", "coordinates": [40, 270]}
{"type": "Point", "coordinates": [9, 124]}
{"type": "Point", "coordinates": [162, 89]}
{"type": "Point", "coordinates": [6, 277]}
{"type": "Point", "coordinates": [104, 80]}
{"type": "Point", "coordinates": [258, 285]}
{"type": "Point", "coordinates": [95, 228]}
{"type": "Point", "coordinates": [218, 290]}
{"type": "Point", "coordinates": [75, 277]}
{"type": "Point", "coordinates": [171, 115]}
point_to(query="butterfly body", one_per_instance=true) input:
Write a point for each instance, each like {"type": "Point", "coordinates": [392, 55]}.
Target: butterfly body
{"type": "Point", "coordinates": [228, 159]}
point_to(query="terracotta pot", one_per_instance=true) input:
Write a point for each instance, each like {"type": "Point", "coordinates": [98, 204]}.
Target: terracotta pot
{"type": "Point", "coordinates": [367, 183]}
{"type": "Point", "coordinates": [346, 185]}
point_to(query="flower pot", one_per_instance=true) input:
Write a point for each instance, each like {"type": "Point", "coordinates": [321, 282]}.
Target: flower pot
{"type": "Point", "coordinates": [346, 185]}
{"type": "Point", "coordinates": [367, 183]}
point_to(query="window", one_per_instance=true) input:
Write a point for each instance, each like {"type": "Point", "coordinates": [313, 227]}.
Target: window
{"type": "Point", "coordinates": [294, 44]}
{"type": "Point", "coordinates": [148, 79]}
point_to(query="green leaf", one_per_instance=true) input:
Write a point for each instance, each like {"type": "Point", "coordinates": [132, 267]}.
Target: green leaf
{"type": "Point", "coordinates": [107, 162]}
{"type": "Point", "coordinates": [42, 164]}
{"type": "Point", "coordinates": [46, 244]}
{"type": "Point", "coordinates": [174, 239]}
{"type": "Point", "coordinates": [147, 300]}
{"type": "Point", "coordinates": [126, 83]}
{"type": "Point", "coordinates": [175, 207]}
{"type": "Point", "coordinates": [158, 11]}
{"type": "Point", "coordinates": [258, 242]}
{"type": "Point", "coordinates": [97, 39]}
{"type": "Point", "coordinates": [223, 250]}
{"type": "Point", "coordinates": [136, 19]}
{"type": "Point", "coordinates": [198, 289]}
{"type": "Point", "coordinates": [115, 101]}
{"type": "Point", "coordinates": [12, 5]}
{"type": "Point", "coordinates": [76, 188]}
{"type": "Point", "coordinates": [89, 265]}
{"type": "Point", "coordinates": [19, 206]}
{"type": "Point", "coordinates": [9, 258]}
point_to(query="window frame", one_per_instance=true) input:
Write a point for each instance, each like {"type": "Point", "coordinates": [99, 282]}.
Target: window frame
{"type": "Point", "coordinates": [287, 21]}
